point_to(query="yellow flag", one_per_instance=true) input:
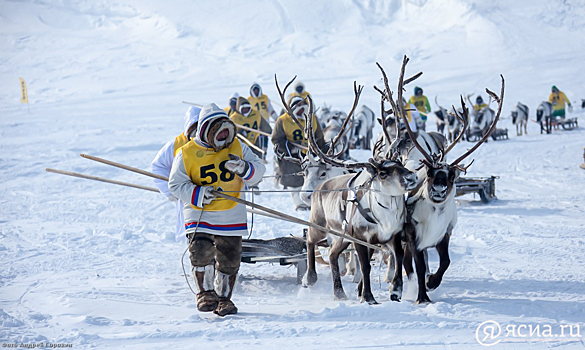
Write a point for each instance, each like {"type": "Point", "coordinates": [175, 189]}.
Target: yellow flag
{"type": "Point", "coordinates": [23, 92]}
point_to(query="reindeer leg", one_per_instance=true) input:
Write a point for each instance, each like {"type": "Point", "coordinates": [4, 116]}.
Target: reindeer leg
{"type": "Point", "coordinates": [364, 256]}
{"type": "Point", "coordinates": [336, 249]}
{"type": "Point", "coordinates": [360, 285]}
{"type": "Point", "coordinates": [419, 260]}
{"type": "Point", "coordinates": [434, 280]}
{"type": "Point", "coordinates": [310, 277]}
{"type": "Point", "coordinates": [407, 261]}
{"type": "Point", "coordinates": [398, 253]}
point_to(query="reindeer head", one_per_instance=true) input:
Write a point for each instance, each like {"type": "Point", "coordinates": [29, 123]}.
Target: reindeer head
{"type": "Point", "coordinates": [440, 176]}
{"type": "Point", "coordinates": [393, 179]}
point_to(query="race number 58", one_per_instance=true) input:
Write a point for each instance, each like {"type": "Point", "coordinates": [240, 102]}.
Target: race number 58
{"type": "Point", "coordinates": [209, 171]}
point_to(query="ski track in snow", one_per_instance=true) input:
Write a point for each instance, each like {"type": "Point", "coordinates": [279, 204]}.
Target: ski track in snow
{"type": "Point", "coordinates": [97, 265]}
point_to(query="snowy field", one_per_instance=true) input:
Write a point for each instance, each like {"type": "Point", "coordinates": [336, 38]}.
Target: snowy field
{"type": "Point", "coordinates": [97, 266]}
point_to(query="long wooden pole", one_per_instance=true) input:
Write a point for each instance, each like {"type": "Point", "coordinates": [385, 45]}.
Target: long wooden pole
{"type": "Point", "coordinates": [296, 220]}
{"type": "Point", "coordinates": [101, 179]}
{"type": "Point", "coordinates": [269, 135]}
{"type": "Point", "coordinates": [125, 167]}
{"type": "Point", "coordinates": [128, 184]}
{"type": "Point", "coordinates": [193, 104]}
{"type": "Point", "coordinates": [250, 144]}
{"type": "Point", "coordinates": [253, 205]}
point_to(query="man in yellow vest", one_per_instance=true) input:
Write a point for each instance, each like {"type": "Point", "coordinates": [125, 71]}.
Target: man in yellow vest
{"type": "Point", "coordinates": [249, 117]}
{"type": "Point", "coordinates": [421, 102]}
{"type": "Point", "coordinates": [558, 99]}
{"type": "Point", "coordinates": [261, 103]}
{"type": "Point", "coordinates": [231, 109]}
{"type": "Point", "coordinates": [162, 163]}
{"type": "Point", "coordinates": [479, 105]}
{"type": "Point", "coordinates": [286, 137]}
{"type": "Point", "coordinates": [299, 90]}
{"type": "Point", "coordinates": [214, 160]}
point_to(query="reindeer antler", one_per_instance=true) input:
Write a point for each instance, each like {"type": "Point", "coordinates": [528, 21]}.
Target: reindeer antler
{"type": "Point", "coordinates": [326, 158]}
{"type": "Point", "coordinates": [500, 101]}
{"type": "Point", "coordinates": [399, 109]}
{"type": "Point", "coordinates": [284, 104]}
{"type": "Point", "coordinates": [464, 119]}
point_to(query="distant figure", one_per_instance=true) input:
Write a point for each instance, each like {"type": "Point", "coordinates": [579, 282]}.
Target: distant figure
{"type": "Point", "coordinates": [558, 99]}
{"type": "Point", "coordinates": [261, 103]}
{"type": "Point", "coordinates": [289, 141]}
{"type": "Point", "coordinates": [299, 91]}
{"type": "Point", "coordinates": [414, 118]}
{"type": "Point", "coordinates": [421, 102]}
{"type": "Point", "coordinates": [231, 109]}
{"type": "Point", "coordinates": [249, 117]}
{"type": "Point", "coordinates": [479, 105]}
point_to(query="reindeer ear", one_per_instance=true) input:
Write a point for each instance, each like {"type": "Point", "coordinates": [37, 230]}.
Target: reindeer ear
{"type": "Point", "coordinates": [455, 173]}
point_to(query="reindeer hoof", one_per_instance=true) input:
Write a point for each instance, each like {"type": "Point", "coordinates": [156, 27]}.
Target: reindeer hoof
{"type": "Point", "coordinates": [432, 282]}
{"type": "Point", "coordinates": [396, 291]}
{"type": "Point", "coordinates": [309, 279]}
{"type": "Point", "coordinates": [423, 299]}
{"type": "Point", "coordinates": [340, 295]}
{"type": "Point", "coordinates": [370, 301]}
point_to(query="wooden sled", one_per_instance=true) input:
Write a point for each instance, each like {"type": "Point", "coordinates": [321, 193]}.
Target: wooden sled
{"type": "Point", "coordinates": [484, 186]}
{"type": "Point", "coordinates": [284, 251]}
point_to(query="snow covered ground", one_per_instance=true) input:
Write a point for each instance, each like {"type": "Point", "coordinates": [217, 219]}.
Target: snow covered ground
{"type": "Point", "coordinates": [97, 266]}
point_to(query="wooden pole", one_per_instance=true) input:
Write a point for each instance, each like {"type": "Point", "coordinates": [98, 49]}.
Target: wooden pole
{"type": "Point", "coordinates": [101, 179]}
{"type": "Point", "coordinates": [127, 184]}
{"type": "Point", "coordinates": [238, 200]}
{"type": "Point", "coordinates": [250, 144]}
{"type": "Point", "coordinates": [125, 167]}
{"type": "Point", "coordinates": [193, 104]}
{"type": "Point", "coordinates": [269, 135]}
{"type": "Point", "coordinates": [296, 220]}
{"type": "Point", "coordinates": [253, 130]}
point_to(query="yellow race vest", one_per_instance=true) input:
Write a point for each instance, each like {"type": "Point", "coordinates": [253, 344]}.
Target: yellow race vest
{"type": "Point", "coordinates": [206, 167]}
{"type": "Point", "coordinates": [260, 103]}
{"type": "Point", "coordinates": [180, 141]}
{"type": "Point", "coordinates": [292, 131]}
{"type": "Point", "coordinates": [251, 121]}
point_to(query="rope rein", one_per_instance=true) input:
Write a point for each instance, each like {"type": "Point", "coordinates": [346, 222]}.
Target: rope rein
{"type": "Point", "coordinates": [186, 249]}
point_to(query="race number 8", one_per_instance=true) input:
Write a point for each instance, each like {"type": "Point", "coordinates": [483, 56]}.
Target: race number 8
{"type": "Point", "coordinates": [298, 135]}
{"type": "Point", "coordinates": [207, 171]}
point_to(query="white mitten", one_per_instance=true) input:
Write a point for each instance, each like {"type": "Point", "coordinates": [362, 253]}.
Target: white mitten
{"type": "Point", "coordinates": [203, 195]}
{"type": "Point", "coordinates": [237, 165]}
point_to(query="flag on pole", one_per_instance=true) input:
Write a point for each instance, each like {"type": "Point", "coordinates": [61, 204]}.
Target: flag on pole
{"type": "Point", "coordinates": [23, 92]}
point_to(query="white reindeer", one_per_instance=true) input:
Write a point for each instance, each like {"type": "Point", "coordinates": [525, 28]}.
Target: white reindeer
{"type": "Point", "coordinates": [544, 116]}
{"type": "Point", "coordinates": [432, 210]}
{"type": "Point", "coordinates": [364, 121]}
{"type": "Point", "coordinates": [520, 118]}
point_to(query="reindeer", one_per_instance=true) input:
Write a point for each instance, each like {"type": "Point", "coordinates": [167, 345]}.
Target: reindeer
{"type": "Point", "coordinates": [481, 124]}
{"type": "Point", "coordinates": [544, 114]}
{"type": "Point", "coordinates": [432, 213]}
{"type": "Point", "coordinates": [520, 118]}
{"type": "Point", "coordinates": [440, 116]}
{"type": "Point", "coordinates": [332, 130]}
{"type": "Point", "coordinates": [376, 191]}
{"type": "Point", "coordinates": [363, 126]}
